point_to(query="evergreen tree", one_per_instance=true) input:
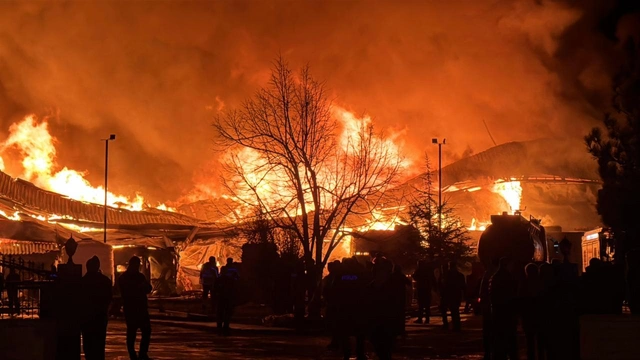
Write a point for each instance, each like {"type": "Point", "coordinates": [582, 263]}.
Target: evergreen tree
{"type": "Point", "coordinates": [445, 243]}
{"type": "Point", "coordinates": [617, 151]}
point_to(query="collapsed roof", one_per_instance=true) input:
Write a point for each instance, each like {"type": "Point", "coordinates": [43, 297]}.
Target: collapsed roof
{"type": "Point", "coordinates": [28, 198]}
{"type": "Point", "coordinates": [30, 213]}
{"type": "Point", "coordinates": [537, 160]}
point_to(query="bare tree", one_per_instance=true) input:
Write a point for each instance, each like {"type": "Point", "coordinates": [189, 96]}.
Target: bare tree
{"type": "Point", "coordinates": [289, 157]}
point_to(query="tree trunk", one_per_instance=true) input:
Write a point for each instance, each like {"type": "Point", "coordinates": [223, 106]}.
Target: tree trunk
{"type": "Point", "coordinates": [315, 294]}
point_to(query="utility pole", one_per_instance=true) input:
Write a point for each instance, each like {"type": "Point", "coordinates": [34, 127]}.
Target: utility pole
{"type": "Point", "coordinates": [106, 177]}
{"type": "Point", "coordinates": [435, 141]}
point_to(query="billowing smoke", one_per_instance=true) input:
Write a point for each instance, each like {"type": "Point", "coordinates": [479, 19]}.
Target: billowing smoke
{"type": "Point", "coordinates": [155, 73]}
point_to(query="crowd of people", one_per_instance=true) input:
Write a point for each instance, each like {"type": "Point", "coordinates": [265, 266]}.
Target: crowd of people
{"type": "Point", "coordinates": [546, 300]}
{"type": "Point", "coordinates": [369, 301]}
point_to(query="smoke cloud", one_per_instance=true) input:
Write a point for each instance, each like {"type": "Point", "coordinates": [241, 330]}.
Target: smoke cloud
{"type": "Point", "coordinates": [155, 73]}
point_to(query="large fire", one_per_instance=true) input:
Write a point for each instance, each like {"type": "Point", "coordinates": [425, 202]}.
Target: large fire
{"type": "Point", "coordinates": [32, 139]}
{"type": "Point", "coordinates": [511, 192]}
{"type": "Point", "coordinates": [272, 185]}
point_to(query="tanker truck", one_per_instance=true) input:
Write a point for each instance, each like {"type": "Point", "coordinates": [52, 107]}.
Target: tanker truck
{"type": "Point", "coordinates": [513, 236]}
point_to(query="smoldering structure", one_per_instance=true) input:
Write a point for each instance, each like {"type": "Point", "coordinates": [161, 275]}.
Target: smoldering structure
{"type": "Point", "coordinates": [492, 78]}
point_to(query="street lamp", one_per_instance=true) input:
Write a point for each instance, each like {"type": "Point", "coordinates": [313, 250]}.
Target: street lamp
{"type": "Point", "coordinates": [435, 141]}
{"type": "Point", "coordinates": [106, 172]}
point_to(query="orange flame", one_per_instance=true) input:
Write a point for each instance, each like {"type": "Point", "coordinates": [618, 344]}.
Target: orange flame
{"type": "Point", "coordinates": [477, 225]}
{"type": "Point", "coordinates": [36, 145]}
{"type": "Point", "coordinates": [272, 184]}
{"type": "Point", "coordinates": [381, 221]}
{"type": "Point", "coordinates": [511, 192]}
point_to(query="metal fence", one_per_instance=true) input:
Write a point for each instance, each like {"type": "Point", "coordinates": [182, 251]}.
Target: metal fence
{"type": "Point", "coordinates": [25, 288]}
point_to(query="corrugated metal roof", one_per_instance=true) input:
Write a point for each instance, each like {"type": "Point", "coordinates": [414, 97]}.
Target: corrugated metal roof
{"type": "Point", "coordinates": [40, 201]}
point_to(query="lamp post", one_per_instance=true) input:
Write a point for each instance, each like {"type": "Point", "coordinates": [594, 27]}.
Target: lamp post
{"type": "Point", "coordinates": [106, 173]}
{"type": "Point", "coordinates": [435, 141]}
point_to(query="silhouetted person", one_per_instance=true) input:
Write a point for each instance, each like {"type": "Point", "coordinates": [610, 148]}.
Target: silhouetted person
{"type": "Point", "coordinates": [12, 291]}
{"type": "Point", "coordinates": [567, 326]}
{"type": "Point", "coordinates": [383, 302]}
{"type": "Point", "coordinates": [226, 295]}
{"type": "Point", "coordinates": [53, 274]}
{"type": "Point", "coordinates": [531, 310]}
{"type": "Point", "coordinates": [134, 288]}
{"type": "Point", "coordinates": [615, 286]}
{"type": "Point", "coordinates": [315, 305]}
{"type": "Point", "coordinates": [593, 296]}
{"type": "Point", "coordinates": [298, 289]}
{"type": "Point", "coordinates": [352, 307]}
{"type": "Point", "coordinates": [399, 284]}
{"type": "Point", "coordinates": [1, 286]}
{"type": "Point", "coordinates": [329, 295]}
{"type": "Point", "coordinates": [282, 287]}
{"type": "Point", "coordinates": [547, 312]}
{"type": "Point", "coordinates": [208, 276]}
{"type": "Point", "coordinates": [485, 309]}
{"type": "Point", "coordinates": [473, 289]}
{"type": "Point", "coordinates": [632, 261]}
{"type": "Point", "coordinates": [96, 297]}
{"type": "Point", "coordinates": [425, 283]}
{"type": "Point", "coordinates": [502, 291]}
{"type": "Point", "coordinates": [452, 294]}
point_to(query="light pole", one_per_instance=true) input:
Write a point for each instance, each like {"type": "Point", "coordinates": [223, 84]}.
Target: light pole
{"type": "Point", "coordinates": [106, 173]}
{"type": "Point", "coordinates": [435, 141]}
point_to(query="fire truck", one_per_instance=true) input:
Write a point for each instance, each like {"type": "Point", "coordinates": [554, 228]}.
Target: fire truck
{"type": "Point", "coordinates": [599, 244]}
{"type": "Point", "coordinates": [515, 237]}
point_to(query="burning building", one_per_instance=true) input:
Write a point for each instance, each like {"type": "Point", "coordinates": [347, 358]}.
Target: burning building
{"type": "Point", "coordinates": [35, 222]}
{"type": "Point", "coordinates": [524, 177]}
{"type": "Point", "coordinates": [527, 176]}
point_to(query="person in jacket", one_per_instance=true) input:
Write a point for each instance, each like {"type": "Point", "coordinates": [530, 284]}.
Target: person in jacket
{"type": "Point", "coordinates": [12, 291]}
{"type": "Point", "coordinates": [452, 294]}
{"type": "Point", "coordinates": [208, 276]}
{"type": "Point", "coordinates": [226, 295]}
{"type": "Point", "coordinates": [96, 295]}
{"type": "Point", "coordinates": [399, 284]}
{"type": "Point", "coordinates": [134, 288]}
{"type": "Point", "coordinates": [485, 309]}
{"type": "Point", "coordinates": [503, 291]}
{"type": "Point", "coordinates": [425, 283]}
